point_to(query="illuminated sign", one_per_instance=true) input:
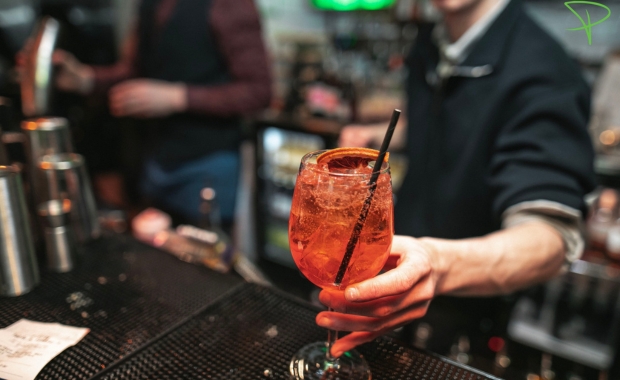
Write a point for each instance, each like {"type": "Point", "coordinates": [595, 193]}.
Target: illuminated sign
{"type": "Point", "coordinates": [352, 5]}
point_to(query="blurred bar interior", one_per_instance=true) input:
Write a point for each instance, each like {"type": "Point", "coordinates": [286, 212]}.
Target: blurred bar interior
{"type": "Point", "coordinates": [330, 67]}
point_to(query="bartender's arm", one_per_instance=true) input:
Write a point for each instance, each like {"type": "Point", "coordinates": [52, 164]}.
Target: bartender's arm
{"type": "Point", "coordinates": [128, 96]}
{"type": "Point", "coordinates": [239, 36]}
{"type": "Point", "coordinates": [538, 171]}
{"type": "Point", "coordinates": [132, 97]}
{"type": "Point", "coordinates": [498, 263]}
{"type": "Point", "coordinates": [74, 76]}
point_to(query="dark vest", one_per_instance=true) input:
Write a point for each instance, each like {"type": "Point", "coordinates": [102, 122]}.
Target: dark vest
{"type": "Point", "coordinates": [184, 50]}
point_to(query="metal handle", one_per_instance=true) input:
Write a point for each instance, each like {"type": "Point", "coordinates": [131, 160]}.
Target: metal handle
{"type": "Point", "coordinates": [36, 86]}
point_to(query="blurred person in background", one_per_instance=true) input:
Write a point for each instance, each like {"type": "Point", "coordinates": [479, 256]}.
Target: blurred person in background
{"type": "Point", "coordinates": [189, 72]}
{"type": "Point", "coordinates": [499, 162]}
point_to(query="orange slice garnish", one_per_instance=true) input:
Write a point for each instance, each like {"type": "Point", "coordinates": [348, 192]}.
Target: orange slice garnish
{"type": "Point", "coordinates": [349, 158]}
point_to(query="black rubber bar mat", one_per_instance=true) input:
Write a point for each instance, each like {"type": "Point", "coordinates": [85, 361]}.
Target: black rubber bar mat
{"type": "Point", "coordinates": [252, 333]}
{"type": "Point", "coordinates": [126, 292]}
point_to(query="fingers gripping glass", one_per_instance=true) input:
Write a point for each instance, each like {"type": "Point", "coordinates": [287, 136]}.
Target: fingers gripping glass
{"type": "Point", "coordinates": [325, 211]}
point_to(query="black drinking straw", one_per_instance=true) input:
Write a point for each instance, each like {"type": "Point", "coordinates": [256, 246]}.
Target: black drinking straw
{"type": "Point", "coordinates": [372, 186]}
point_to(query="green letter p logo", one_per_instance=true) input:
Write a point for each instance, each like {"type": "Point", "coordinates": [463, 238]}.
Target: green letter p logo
{"type": "Point", "coordinates": [587, 27]}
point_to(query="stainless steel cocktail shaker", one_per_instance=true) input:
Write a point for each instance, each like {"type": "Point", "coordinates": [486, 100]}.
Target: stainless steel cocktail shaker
{"type": "Point", "coordinates": [18, 266]}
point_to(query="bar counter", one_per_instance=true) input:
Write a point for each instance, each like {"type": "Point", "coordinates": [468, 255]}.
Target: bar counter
{"type": "Point", "coordinates": [152, 316]}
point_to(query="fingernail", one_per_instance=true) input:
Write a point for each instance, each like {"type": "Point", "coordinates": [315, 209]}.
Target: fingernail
{"type": "Point", "coordinates": [324, 322]}
{"type": "Point", "coordinates": [352, 294]}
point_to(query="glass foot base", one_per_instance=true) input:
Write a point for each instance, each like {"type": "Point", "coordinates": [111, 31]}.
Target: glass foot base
{"type": "Point", "coordinates": [311, 363]}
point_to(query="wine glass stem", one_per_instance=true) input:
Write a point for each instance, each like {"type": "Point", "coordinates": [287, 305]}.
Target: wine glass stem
{"type": "Point", "coordinates": [332, 336]}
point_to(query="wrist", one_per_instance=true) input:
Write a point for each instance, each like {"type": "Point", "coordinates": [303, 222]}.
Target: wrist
{"type": "Point", "coordinates": [438, 261]}
{"type": "Point", "coordinates": [87, 80]}
{"type": "Point", "coordinates": [180, 98]}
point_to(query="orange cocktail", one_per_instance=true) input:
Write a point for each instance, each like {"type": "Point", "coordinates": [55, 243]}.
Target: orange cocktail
{"type": "Point", "coordinates": [340, 233]}
{"type": "Point", "coordinates": [326, 206]}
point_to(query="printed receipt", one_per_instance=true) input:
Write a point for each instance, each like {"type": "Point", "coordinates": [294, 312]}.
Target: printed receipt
{"type": "Point", "coordinates": [27, 346]}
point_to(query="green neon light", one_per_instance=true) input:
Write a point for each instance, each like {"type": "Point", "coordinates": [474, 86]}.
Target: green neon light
{"type": "Point", "coordinates": [352, 5]}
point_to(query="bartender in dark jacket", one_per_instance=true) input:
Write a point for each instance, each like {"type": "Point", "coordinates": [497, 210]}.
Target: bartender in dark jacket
{"type": "Point", "coordinates": [190, 70]}
{"type": "Point", "coordinates": [499, 163]}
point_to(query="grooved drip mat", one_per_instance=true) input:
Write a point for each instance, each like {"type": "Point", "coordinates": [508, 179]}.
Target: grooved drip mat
{"type": "Point", "coordinates": [127, 293]}
{"type": "Point", "coordinates": [252, 333]}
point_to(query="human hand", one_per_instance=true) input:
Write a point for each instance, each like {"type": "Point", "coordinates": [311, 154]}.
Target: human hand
{"type": "Point", "coordinates": [361, 135]}
{"type": "Point", "coordinates": [147, 98]}
{"type": "Point", "coordinates": [376, 306]}
{"type": "Point", "coordinates": [71, 74]}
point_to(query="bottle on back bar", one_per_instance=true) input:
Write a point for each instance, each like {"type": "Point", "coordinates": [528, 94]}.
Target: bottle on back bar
{"type": "Point", "coordinates": [217, 251]}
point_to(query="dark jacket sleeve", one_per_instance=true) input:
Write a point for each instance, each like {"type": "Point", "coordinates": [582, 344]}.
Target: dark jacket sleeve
{"type": "Point", "coordinates": [543, 151]}
{"type": "Point", "coordinates": [238, 31]}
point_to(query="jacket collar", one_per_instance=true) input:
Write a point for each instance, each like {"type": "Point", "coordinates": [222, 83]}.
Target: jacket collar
{"type": "Point", "coordinates": [490, 49]}
{"type": "Point", "coordinates": [485, 56]}
{"type": "Point", "coordinates": [457, 51]}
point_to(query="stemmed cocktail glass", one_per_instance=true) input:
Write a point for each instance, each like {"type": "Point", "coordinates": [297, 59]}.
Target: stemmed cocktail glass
{"type": "Point", "coordinates": [333, 190]}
